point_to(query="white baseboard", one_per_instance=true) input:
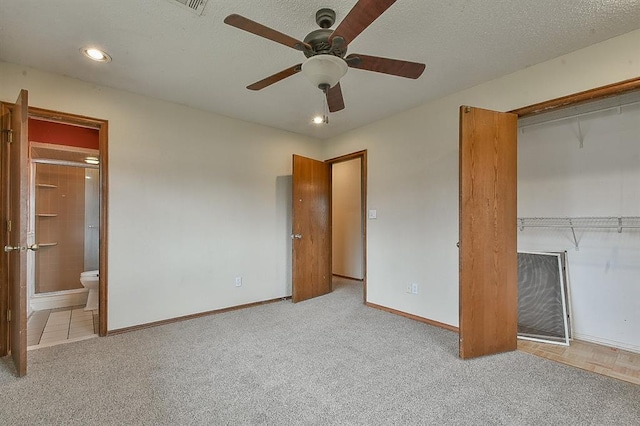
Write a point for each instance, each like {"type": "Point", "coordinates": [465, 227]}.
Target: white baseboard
{"type": "Point", "coordinates": [60, 299]}
{"type": "Point", "coordinates": [606, 342]}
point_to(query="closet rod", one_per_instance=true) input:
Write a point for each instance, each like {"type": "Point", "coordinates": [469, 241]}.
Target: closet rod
{"type": "Point", "coordinates": [574, 223]}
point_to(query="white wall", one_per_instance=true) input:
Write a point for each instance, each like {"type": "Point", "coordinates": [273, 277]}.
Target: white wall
{"type": "Point", "coordinates": [346, 205]}
{"type": "Point", "coordinates": [195, 199]}
{"type": "Point", "coordinates": [413, 174]}
{"type": "Point", "coordinates": [557, 178]}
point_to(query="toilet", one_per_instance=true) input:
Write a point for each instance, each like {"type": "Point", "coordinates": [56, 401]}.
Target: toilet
{"type": "Point", "coordinates": [89, 280]}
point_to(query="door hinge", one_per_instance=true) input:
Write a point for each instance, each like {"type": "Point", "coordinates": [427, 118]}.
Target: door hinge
{"type": "Point", "coordinates": [8, 226]}
{"type": "Point", "coordinates": [9, 133]}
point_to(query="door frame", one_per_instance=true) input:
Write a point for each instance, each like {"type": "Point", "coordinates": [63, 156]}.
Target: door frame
{"type": "Point", "coordinates": [102, 126]}
{"type": "Point", "coordinates": [362, 155]}
{"type": "Point", "coordinates": [572, 100]}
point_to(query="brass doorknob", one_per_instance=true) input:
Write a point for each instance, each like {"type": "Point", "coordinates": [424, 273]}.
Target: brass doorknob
{"type": "Point", "coordinates": [7, 249]}
{"type": "Point", "coordinates": [34, 247]}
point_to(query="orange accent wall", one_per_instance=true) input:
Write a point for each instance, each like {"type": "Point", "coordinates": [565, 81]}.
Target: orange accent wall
{"type": "Point", "coordinates": [62, 134]}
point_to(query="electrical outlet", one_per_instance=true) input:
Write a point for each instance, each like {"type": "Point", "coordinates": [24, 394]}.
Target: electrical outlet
{"type": "Point", "coordinates": [238, 281]}
{"type": "Point", "coordinates": [414, 288]}
{"type": "Point", "coordinates": [408, 289]}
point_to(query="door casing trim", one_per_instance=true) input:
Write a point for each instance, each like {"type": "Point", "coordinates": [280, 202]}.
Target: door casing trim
{"type": "Point", "coordinates": [362, 155]}
{"type": "Point", "coordinates": [103, 141]}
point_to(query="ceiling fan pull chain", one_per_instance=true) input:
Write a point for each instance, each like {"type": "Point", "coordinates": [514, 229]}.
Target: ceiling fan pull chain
{"type": "Point", "coordinates": [326, 110]}
{"type": "Point", "coordinates": [325, 106]}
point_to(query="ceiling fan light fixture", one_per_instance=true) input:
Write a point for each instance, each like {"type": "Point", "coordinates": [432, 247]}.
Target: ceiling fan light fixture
{"type": "Point", "coordinates": [324, 69]}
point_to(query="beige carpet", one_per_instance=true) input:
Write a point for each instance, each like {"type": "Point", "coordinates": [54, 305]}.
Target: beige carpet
{"type": "Point", "coordinates": [330, 360]}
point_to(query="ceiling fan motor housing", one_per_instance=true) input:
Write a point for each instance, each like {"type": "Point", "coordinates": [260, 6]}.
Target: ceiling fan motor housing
{"type": "Point", "coordinates": [319, 39]}
{"type": "Point", "coordinates": [320, 44]}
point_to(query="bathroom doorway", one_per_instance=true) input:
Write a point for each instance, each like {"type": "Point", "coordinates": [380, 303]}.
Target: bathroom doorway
{"type": "Point", "coordinates": [66, 220]}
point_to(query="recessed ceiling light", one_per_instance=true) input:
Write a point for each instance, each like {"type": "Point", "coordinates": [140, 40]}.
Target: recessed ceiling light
{"type": "Point", "coordinates": [92, 160]}
{"type": "Point", "coordinates": [95, 54]}
{"type": "Point", "coordinates": [320, 119]}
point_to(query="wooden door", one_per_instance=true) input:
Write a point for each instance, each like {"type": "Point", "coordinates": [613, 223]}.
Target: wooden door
{"type": "Point", "coordinates": [4, 198]}
{"type": "Point", "coordinates": [14, 274]}
{"type": "Point", "coordinates": [488, 246]}
{"type": "Point", "coordinates": [311, 234]}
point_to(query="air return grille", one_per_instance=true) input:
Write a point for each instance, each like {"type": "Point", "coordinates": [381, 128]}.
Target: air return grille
{"type": "Point", "coordinates": [196, 6]}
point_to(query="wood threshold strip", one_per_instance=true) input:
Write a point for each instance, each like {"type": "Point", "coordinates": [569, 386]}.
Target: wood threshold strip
{"type": "Point", "coordinates": [580, 97]}
{"type": "Point", "coordinates": [194, 316]}
{"type": "Point", "coordinates": [413, 317]}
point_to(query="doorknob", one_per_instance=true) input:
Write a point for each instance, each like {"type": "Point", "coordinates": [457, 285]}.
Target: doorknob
{"type": "Point", "coordinates": [296, 236]}
{"type": "Point", "coordinates": [9, 248]}
{"type": "Point", "coordinates": [34, 247]}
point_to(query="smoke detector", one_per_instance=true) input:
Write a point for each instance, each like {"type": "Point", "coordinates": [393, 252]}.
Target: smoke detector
{"type": "Point", "coordinates": [196, 6]}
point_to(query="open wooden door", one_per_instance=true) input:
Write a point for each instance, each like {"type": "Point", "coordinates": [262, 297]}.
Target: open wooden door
{"type": "Point", "coordinates": [488, 241]}
{"type": "Point", "coordinates": [14, 258]}
{"type": "Point", "coordinates": [311, 235]}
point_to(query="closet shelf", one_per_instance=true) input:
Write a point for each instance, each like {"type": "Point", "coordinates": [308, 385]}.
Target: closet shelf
{"type": "Point", "coordinates": [46, 214]}
{"type": "Point", "coordinates": [46, 185]}
{"type": "Point", "coordinates": [619, 223]}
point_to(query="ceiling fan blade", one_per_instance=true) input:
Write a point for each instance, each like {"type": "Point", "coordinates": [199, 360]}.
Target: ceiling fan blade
{"type": "Point", "coordinates": [260, 30]}
{"type": "Point", "coordinates": [359, 18]}
{"type": "Point", "coordinates": [275, 77]}
{"type": "Point", "coordinates": [334, 98]}
{"type": "Point", "coordinates": [385, 65]}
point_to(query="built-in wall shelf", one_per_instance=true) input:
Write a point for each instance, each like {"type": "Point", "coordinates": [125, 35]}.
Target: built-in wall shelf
{"type": "Point", "coordinates": [46, 214]}
{"type": "Point", "coordinates": [45, 185]}
{"type": "Point", "coordinates": [585, 223]}
{"type": "Point", "coordinates": [47, 244]}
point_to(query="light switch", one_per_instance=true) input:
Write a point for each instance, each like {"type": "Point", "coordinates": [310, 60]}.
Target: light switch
{"type": "Point", "coordinates": [373, 214]}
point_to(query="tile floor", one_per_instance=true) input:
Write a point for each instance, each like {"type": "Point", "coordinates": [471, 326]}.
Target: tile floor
{"type": "Point", "coordinates": [54, 326]}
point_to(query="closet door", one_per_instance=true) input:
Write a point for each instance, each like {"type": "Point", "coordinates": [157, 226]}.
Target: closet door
{"type": "Point", "coordinates": [488, 244]}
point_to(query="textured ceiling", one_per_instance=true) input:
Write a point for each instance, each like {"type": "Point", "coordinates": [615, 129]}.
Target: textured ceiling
{"type": "Point", "coordinates": [163, 50]}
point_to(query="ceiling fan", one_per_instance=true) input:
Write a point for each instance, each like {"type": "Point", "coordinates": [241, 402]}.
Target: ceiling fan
{"type": "Point", "coordinates": [325, 50]}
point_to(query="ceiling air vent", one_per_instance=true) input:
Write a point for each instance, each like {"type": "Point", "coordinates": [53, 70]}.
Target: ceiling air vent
{"type": "Point", "coordinates": [196, 6]}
